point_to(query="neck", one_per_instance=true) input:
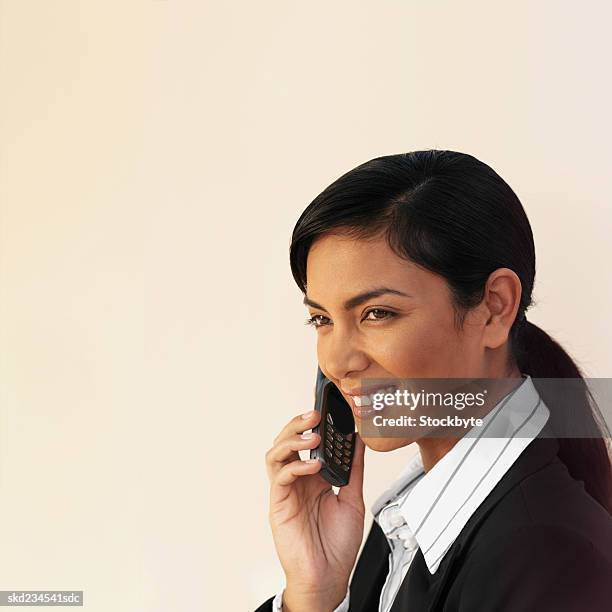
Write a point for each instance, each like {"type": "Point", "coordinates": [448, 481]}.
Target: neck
{"type": "Point", "coordinates": [432, 449]}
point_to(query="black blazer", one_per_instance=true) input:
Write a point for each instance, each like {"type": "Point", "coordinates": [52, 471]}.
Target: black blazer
{"type": "Point", "coordinates": [538, 542]}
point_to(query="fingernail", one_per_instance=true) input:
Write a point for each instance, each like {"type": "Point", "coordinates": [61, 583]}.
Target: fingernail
{"type": "Point", "coordinates": [306, 436]}
{"type": "Point", "coordinates": [310, 460]}
{"type": "Point", "coordinates": [308, 414]}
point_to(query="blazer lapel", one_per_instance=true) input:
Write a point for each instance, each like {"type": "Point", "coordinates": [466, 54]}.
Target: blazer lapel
{"type": "Point", "coordinates": [420, 590]}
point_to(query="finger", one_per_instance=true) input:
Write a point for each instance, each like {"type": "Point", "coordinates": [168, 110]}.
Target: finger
{"type": "Point", "coordinates": [298, 425]}
{"type": "Point", "coordinates": [288, 474]}
{"type": "Point", "coordinates": [353, 491]}
{"type": "Point", "coordinates": [286, 450]}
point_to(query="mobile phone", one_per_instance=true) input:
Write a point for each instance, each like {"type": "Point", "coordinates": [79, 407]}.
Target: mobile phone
{"type": "Point", "coordinates": [337, 431]}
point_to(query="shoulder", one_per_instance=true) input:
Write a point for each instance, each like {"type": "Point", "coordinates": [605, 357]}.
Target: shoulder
{"type": "Point", "coordinates": [546, 505]}
{"type": "Point", "coordinates": [546, 544]}
{"type": "Point", "coordinates": [538, 567]}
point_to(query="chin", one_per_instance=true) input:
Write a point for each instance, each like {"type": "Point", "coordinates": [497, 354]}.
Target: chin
{"type": "Point", "coordinates": [384, 445]}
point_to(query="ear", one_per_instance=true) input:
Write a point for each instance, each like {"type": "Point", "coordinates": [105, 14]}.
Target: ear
{"type": "Point", "coordinates": [501, 300]}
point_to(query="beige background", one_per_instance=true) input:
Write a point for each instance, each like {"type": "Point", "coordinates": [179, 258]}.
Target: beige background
{"type": "Point", "coordinates": [155, 156]}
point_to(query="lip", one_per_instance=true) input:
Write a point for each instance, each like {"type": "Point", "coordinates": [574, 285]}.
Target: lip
{"type": "Point", "coordinates": [361, 411]}
{"type": "Point", "coordinates": [364, 411]}
{"type": "Point", "coordinates": [367, 391]}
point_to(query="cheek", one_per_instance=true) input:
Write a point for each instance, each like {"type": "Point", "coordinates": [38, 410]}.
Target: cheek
{"type": "Point", "coordinates": [421, 348]}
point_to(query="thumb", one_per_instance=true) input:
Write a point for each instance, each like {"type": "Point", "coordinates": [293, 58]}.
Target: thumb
{"type": "Point", "coordinates": [353, 491]}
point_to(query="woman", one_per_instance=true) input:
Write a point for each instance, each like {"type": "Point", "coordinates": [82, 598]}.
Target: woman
{"type": "Point", "coordinates": [419, 266]}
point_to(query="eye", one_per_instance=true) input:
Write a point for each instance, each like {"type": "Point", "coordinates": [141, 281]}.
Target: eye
{"type": "Point", "coordinates": [315, 322]}
{"type": "Point", "coordinates": [388, 314]}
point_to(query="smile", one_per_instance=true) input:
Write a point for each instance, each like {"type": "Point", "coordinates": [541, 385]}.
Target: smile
{"type": "Point", "coordinates": [362, 403]}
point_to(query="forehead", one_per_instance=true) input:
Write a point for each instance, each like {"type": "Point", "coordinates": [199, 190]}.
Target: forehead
{"type": "Point", "coordinates": [339, 264]}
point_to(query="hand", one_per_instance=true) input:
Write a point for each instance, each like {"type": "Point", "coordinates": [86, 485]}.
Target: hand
{"type": "Point", "coordinates": [317, 533]}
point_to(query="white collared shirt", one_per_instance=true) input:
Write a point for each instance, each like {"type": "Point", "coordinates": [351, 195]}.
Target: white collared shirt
{"type": "Point", "coordinates": [429, 510]}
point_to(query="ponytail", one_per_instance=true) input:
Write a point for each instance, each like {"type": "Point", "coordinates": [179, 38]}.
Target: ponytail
{"type": "Point", "coordinates": [587, 459]}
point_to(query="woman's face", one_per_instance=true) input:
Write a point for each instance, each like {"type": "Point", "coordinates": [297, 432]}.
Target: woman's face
{"type": "Point", "coordinates": [406, 333]}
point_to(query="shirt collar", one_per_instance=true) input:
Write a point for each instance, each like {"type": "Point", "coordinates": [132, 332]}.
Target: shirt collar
{"type": "Point", "coordinates": [436, 505]}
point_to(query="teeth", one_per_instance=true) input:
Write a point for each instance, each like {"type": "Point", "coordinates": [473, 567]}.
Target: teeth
{"type": "Point", "coordinates": [367, 400]}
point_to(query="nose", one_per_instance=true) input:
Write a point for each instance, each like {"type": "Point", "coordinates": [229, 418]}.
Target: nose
{"type": "Point", "coordinates": [340, 356]}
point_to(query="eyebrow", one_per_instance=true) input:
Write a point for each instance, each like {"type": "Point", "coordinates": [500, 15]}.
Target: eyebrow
{"type": "Point", "coordinates": [358, 299]}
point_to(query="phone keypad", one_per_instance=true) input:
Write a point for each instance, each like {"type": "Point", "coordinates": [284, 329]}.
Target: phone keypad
{"type": "Point", "coordinates": [338, 447]}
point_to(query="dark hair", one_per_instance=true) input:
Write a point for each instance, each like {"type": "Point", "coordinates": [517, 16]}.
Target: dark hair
{"type": "Point", "coordinates": [455, 216]}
